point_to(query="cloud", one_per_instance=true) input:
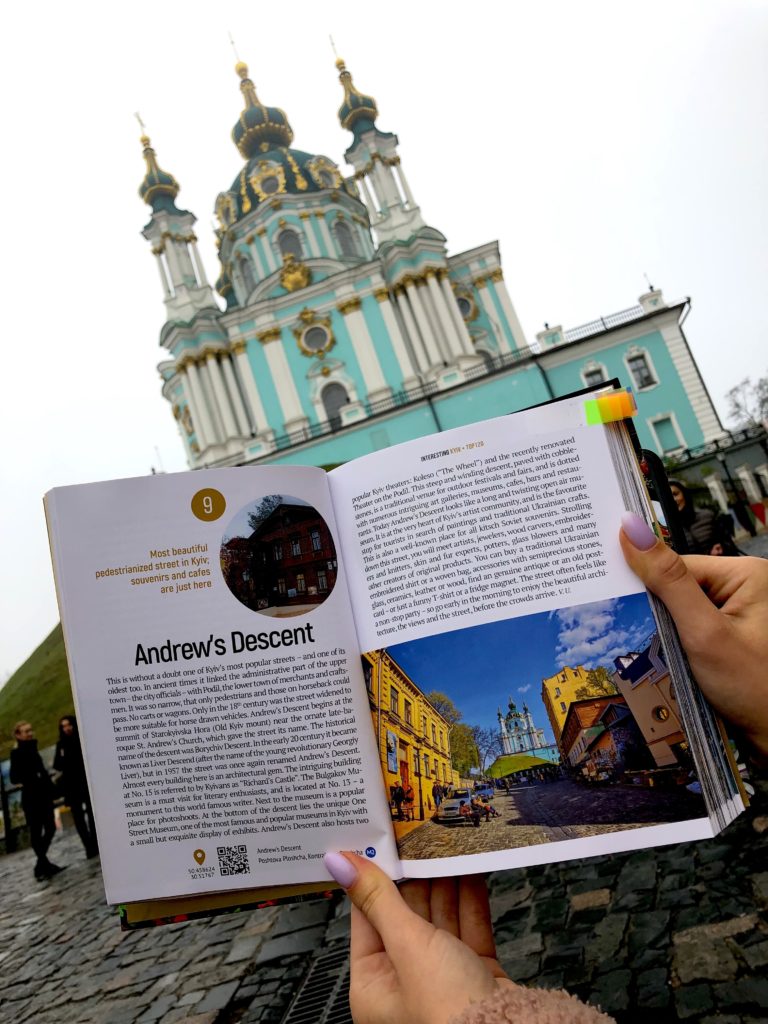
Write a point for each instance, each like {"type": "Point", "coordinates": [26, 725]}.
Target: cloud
{"type": "Point", "coordinates": [595, 634]}
{"type": "Point", "coordinates": [524, 689]}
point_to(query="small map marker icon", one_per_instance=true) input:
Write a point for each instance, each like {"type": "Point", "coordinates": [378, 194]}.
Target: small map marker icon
{"type": "Point", "coordinates": [199, 856]}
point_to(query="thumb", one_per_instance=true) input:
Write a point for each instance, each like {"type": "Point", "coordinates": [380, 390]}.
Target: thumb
{"type": "Point", "coordinates": [665, 573]}
{"type": "Point", "coordinates": [375, 895]}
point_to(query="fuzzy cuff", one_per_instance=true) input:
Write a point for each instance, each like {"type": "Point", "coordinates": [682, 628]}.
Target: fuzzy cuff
{"type": "Point", "coordinates": [514, 1004]}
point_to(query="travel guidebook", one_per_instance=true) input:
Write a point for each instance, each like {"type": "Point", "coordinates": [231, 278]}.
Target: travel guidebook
{"type": "Point", "coordinates": [434, 655]}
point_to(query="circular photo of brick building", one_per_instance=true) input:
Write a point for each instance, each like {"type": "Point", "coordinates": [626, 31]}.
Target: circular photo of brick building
{"type": "Point", "coordinates": [278, 557]}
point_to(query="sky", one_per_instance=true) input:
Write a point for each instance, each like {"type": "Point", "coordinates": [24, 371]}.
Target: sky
{"type": "Point", "coordinates": [597, 141]}
{"type": "Point", "coordinates": [512, 657]}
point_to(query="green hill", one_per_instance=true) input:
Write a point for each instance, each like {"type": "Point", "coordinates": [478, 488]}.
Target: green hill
{"type": "Point", "coordinates": [38, 692]}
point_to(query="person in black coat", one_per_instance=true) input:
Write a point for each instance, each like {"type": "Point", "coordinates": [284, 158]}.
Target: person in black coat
{"type": "Point", "coordinates": [29, 772]}
{"type": "Point", "coordinates": [69, 761]}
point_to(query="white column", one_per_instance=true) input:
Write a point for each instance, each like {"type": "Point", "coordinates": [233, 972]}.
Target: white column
{"type": "Point", "coordinates": [253, 249]}
{"type": "Point", "coordinates": [458, 319]}
{"type": "Point", "coordinates": [717, 490]}
{"type": "Point", "coordinates": [213, 405]}
{"type": "Point", "coordinates": [420, 353]}
{"type": "Point", "coordinates": [384, 180]}
{"type": "Point", "coordinates": [288, 396]}
{"type": "Point", "coordinates": [164, 277]}
{"type": "Point", "coordinates": [271, 265]}
{"type": "Point", "coordinates": [371, 198]}
{"type": "Point", "coordinates": [362, 343]}
{"type": "Point", "coordinates": [203, 420]}
{"type": "Point", "coordinates": [234, 393]}
{"type": "Point", "coordinates": [509, 310]}
{"type": "Point", "coordinates": [487, 303]}
{"type": "Point", "coordinates": [186, 389]}
{"type": "Point", "coordinates": [433, 354]}
{"type": "Point", "coordinates": [438, 331]}
{"type": "Point", "coordinates": [407, 369]}
{"type": "Point", "coordinates": [252, 396]}
{"type": "Point", "coordinates": [309, 234]}
{"type": "Point", "coordinates": [198, 264]}
{"type": "Point", "coordinates": [325, 234]}
{"type": "Point", "coordinates": [744, 473]}
{"type": "Point", "coordinates": [222, 401]}
{"type": "Point", "coordinates": [172, 258]}
{"type": "Point", "coordinates": [452, 338]}
{"type": "Point", "coordinates": [405, 186]}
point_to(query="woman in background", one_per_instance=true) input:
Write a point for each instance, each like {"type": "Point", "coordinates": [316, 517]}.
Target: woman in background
{"type": "Point", "coordinates": [69, 761]}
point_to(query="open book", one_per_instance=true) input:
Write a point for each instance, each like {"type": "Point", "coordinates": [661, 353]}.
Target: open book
{"type": "Point", "coordinates": [272, 662]}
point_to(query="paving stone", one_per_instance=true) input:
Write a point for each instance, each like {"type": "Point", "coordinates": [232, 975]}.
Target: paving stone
{"type": "Point", "coordinates": [760, 887]}
{"type": "Point", "coordinates": [607, 937]}
{"type": "Point", "coordinates": [652, 989]}
{"type": "Point", "coordinates": [693, 1000]}
{"type": "Point", "coordinates": [756, 956]}
{"type": "Point", "coordinates": [301, 915]}
{"type": "Point", "coordinates": [521, 969]}
{"type": "Point", "coordinates": [157, 1009]}
{"type": "Point", "coordinates": [217, 998]}
{"type": "Point", "coordinates": [590, 899]}
{"type": "Point", "coordinates": [745, 993]}
{"type": "Point", "coordinates": [243, 949]}
{"type": "Point", "coordinates": [611, 991]}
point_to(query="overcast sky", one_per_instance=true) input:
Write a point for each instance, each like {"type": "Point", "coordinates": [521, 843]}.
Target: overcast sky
{"type": "Point", "coordinates": [596, 141]}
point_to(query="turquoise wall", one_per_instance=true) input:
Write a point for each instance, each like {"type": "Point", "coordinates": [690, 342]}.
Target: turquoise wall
{"type": "Point", "coordinates": [667, 396]}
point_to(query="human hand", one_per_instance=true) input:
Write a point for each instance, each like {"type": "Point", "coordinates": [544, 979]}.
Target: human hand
{"type": "Point", "coordinates": [421, 954]}
{"type": "Point", "coordinates": [720, 608]}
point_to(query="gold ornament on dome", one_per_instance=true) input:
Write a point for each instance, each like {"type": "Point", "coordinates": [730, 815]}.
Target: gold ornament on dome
{"type": "Point", "coordinates": [324, 173]}
{"type": "Point", "coordinates": [226, 210]}
{"type": "Point", "coordinates": [294, 275]}
{"type": "Point", "coordinates": [186, 421]}
{"type": "Point", "coordinates": [268, 179]}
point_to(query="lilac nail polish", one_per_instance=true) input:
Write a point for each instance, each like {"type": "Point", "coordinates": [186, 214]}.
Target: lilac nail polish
{"type": "Point", "coordinates": [340, 869]}
{"type": "Point", "coordinates": [638, 532]}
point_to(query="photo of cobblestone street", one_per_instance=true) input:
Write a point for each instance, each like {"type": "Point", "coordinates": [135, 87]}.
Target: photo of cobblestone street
{"type": "Point", "coordinates": [549, 812]}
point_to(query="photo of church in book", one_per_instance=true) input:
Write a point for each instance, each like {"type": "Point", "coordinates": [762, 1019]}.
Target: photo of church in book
{"type": "Point", "coordinates": [284, 561]}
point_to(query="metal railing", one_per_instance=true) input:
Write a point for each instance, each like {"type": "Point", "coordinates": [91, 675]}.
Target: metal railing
{"type": "Point", "coordinates": [604, 323]}
{"type": "Point", "coordinates": [734, 439]}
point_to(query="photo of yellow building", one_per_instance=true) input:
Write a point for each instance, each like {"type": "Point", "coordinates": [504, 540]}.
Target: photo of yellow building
{"type": "Point", "coordinates": [412, 737]}
{"type": "Point", "coordinates": [560, 690]}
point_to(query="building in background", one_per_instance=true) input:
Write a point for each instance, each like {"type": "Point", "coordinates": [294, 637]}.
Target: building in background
{"type": "Point", "coordinates": [569, 684]}
{"type": "Point", "coordinates": [412, 736]}
{"type": "Point", "coordinates": [519, 734]}
{"type": "Point", "coordinates": [348, 327]}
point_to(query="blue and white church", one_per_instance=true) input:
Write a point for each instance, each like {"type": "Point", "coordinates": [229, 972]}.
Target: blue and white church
{"type": "Point", "coordinates": [342, 325]}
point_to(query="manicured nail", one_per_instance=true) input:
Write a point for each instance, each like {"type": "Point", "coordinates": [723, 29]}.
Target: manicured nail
{"type": "Point", "coordinates": [638, 532]}
{"type": "Point", "coordinates": [340, 869]}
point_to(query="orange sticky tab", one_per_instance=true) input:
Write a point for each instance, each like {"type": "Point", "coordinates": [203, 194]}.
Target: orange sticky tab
{"type": "Point", "coordinates": [617, 405]}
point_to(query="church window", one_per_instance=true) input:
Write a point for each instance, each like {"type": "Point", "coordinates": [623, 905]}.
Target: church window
{"type": "Point", "coordinates": [346, 239]}
{"type": "Point", "coordinates": [666, 435]}
{"type": "Point", "coordinates": [301, 584]}
{"type": "Point", "coordinates": [290, 243]}
{"type": "Point", "coordinates": [315, 338]}
{"type": "Point", "coordinates": [593, 376]}
{"type": "Point", "coordinates": [660, 713]}
{"type": "Point", "coordinates": [246, 274]}
{"type": "Point", "coordinates": [326, 179]}
{"type": "Point", "coordinates": [642, 375]}
{"type": "Point", "coordinates": [270, 184]}
{"type": "Point", "coordinates": [334, 398]}
{"type": "Point", "coordinates": [465, 306]}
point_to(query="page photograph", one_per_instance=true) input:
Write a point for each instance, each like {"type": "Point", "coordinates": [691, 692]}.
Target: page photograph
{"type": "Point", "coordinates": [544, 729]}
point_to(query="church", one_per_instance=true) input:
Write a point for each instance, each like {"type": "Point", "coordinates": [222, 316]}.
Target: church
{"type": "Point", "coordinates": [342, 324]}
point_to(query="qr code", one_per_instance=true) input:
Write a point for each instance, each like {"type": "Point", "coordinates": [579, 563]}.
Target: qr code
{"type": "Point", "coordinates": [233, 860]}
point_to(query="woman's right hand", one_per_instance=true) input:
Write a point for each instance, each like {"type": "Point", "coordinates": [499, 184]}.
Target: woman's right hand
{"type": "Point", "coordinates": [720, 608]}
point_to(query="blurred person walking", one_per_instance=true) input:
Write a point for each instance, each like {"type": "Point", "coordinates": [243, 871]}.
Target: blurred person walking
{"type": "Point", "coordinates": [37, 793]}
{"type": "Point", "coordinates": [69, 761]}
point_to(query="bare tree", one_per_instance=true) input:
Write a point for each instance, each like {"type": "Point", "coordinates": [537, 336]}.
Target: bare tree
{"type": "Point", "coordinates": [488, 744]}
{"type": "Point", "coordinates": [748, 403]}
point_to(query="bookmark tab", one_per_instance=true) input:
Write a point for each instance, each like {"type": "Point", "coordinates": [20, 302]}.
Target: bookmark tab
{"type": "Point", "coordinates": [617, 405]}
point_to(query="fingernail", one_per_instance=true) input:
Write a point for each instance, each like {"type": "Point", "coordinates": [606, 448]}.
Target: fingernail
{"type": "Point", "coordinates": [638, 532]}
{"type": "Point", "coordinates": [340, 869]}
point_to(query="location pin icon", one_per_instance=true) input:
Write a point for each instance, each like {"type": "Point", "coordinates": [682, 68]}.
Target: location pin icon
{"type": "Point", "coordinates": [199, 856]}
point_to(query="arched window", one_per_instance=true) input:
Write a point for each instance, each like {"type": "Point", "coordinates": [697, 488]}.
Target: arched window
{"type": "Point", "coordinates": [334, 397]}
{"type": "Point", "coordinates": [346, 239]}
{"type": "Point", "coordinates": [246, 274]}
{"type": "Point", "coordinates": [290, 243]}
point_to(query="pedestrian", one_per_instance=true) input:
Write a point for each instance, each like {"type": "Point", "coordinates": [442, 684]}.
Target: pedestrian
{"type": "Point", "coordinates": [408, 802]}
{"type": "Point", "coordinates": [398, 795]}
{"type": "Point", "coordinates": [37, 794]}
{"type": "Point", "coordinates": [69, 761]}
{"type": "Point", "coordinates": [444, 925]}
{"type": "Point", "coordinates": [698, 524]}
{"type": "Point", "coordinates": [437, 794]}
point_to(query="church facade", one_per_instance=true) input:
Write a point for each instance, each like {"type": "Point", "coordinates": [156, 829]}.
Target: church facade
{"type": "Point", "coordinates": [344, 326]}
{"type": "Point", "coordinates": [519, 734]}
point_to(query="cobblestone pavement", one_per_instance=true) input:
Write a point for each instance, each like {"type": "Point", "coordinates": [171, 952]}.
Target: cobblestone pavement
{"type": "Point", "coordinates": [679, 933]}
{"type": "Point", "coordinates": [548, 812]}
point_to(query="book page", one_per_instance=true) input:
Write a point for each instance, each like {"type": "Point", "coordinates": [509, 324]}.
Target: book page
{"type": "Point", "coordinates": [217, 678]}
{"type": "Point", "coordinates": [525, 706]}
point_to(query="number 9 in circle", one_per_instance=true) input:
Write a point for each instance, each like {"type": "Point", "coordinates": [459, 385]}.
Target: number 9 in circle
{"type": "Point", "coordinates": [208, 505]}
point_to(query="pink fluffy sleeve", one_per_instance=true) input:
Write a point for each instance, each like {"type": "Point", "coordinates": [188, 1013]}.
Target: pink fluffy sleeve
{"type": "Point", "coordinates": [519, 1005]}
